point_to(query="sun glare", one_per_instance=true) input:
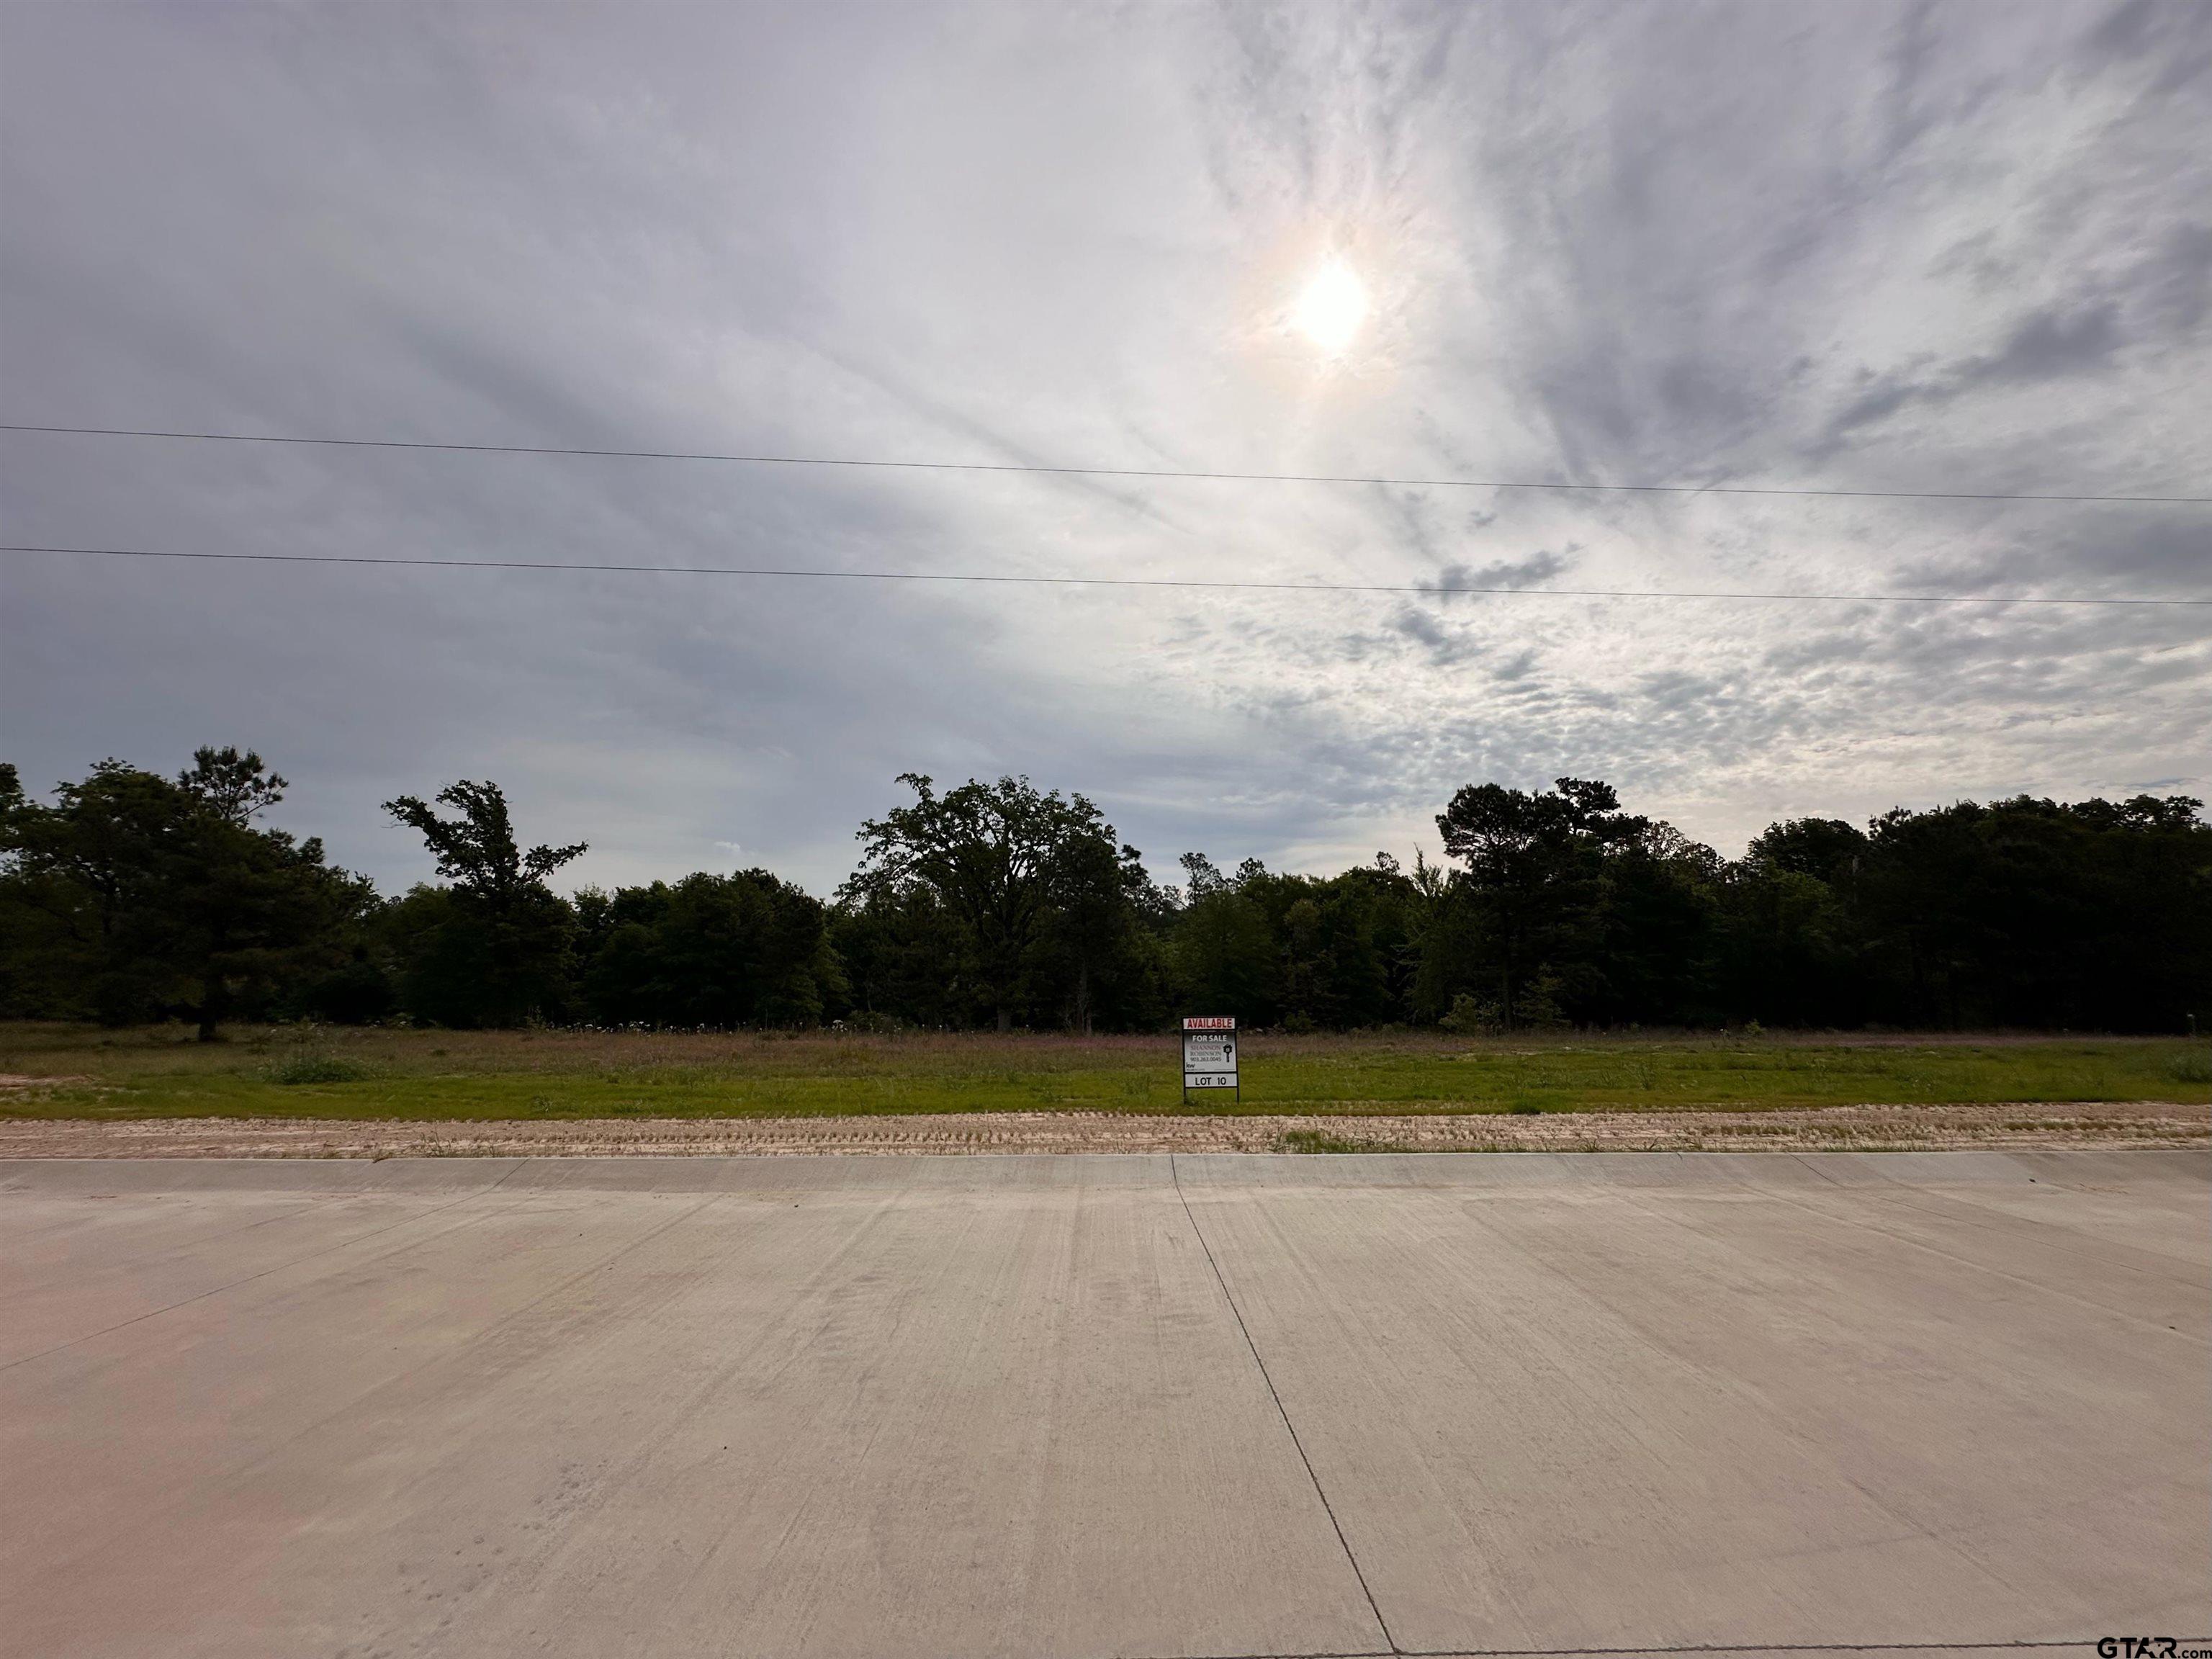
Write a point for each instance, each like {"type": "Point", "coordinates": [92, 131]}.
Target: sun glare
{"type": "Point", "coordinates": [1333, 307]}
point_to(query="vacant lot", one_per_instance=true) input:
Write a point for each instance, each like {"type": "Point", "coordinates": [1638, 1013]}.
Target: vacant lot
{"type": "Point", "coordinates": [75, 1071]}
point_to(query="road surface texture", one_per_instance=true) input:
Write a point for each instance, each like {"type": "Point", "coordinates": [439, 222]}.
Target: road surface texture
{"type": "Point", "coordinates": [1060, 1407]}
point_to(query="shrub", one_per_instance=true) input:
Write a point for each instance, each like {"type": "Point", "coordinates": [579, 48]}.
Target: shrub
{"type": "Point", "coordinates": [1470, 1016]}
{"type": "Point", "coordinates": [873, 1024]}
{"type": "Point", "coordinates": [317, 1068]}
{"type": "Point", "coordinates": [1535, 1009]}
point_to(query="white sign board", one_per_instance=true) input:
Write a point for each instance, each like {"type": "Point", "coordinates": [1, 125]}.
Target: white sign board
{"type": "Point", "coordinates": [1209, 1053]}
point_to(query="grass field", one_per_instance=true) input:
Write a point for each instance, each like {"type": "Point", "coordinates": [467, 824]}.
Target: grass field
{"type": "Point", "coordinates": [79, 1072]}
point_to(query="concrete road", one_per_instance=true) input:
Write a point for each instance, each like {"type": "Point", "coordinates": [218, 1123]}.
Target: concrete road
{"type": "Point", "coordinates": [1104, 1406]}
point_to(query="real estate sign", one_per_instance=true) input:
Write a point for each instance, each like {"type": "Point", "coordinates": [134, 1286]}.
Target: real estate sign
{"type": "Point", "coordinates": [1209, 1053]}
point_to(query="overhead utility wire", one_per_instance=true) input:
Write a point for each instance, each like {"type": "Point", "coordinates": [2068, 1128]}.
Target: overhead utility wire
{"type": "Point", "coordinates": [1434, 589]}
{"type": "Point", "coordinates": [1102, 471]}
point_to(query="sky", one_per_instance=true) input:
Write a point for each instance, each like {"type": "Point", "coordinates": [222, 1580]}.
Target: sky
{"type": "Point", "coordinates": [1962, 249]}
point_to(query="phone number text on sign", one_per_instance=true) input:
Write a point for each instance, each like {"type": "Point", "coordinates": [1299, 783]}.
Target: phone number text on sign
{"type": "Point", "coordinates": [1209, 1054]}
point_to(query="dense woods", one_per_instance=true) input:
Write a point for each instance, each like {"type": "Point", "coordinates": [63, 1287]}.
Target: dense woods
{"type": "Point", "coordinates": [131, 897]}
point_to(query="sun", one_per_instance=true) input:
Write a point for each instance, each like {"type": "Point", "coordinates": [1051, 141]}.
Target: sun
{"type": "Point", "coordinates": [1331, 308]}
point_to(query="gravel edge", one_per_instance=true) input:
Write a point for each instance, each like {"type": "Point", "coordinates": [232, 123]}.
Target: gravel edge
{"type": "Point", "coordinates": [1918, 1129]}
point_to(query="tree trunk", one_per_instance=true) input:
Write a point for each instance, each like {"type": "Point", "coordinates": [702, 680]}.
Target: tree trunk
{"type": "Point", "coordinates": [211, 1001]}
{"type": "Point", "coordinates": [1005, 1021]}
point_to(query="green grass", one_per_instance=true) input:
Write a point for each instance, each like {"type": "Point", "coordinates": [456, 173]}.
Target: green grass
{"type": "Point", "coordinates": [420, 1074]}
{"type": "Point", "coordinates": [1320, 1140]}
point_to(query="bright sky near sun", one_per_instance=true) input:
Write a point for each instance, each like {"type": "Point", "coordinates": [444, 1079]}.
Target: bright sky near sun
{"type": "Point", "coordinates": [1333, 307]}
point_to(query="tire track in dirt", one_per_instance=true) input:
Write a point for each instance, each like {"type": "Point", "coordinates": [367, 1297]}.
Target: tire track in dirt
{"type": "Point", "coordinates": [1832, 1128]}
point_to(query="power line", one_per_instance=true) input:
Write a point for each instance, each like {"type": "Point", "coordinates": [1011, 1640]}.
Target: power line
{"type": "Point", "coordinates": [1432, 589]}
{"type": "Point", "coordinates": [1104, 472]}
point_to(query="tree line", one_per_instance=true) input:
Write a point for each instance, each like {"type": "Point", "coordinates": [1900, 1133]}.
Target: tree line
{"type": "Point", "coordinates": [131, 897]}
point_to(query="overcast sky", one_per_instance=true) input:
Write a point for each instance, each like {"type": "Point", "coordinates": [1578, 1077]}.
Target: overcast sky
{"type": "Point", "coordinates": [1838, 247]}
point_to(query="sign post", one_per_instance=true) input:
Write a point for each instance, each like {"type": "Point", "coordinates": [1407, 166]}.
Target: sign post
{"type": "Point", "coordinates": [1209, 1056]}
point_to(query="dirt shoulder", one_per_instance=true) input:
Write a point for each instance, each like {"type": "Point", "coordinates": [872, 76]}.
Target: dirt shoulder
{"type": "Point", "coordinates": [1830, 1128]}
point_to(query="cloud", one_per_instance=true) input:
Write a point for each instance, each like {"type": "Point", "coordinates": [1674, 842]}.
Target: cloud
{"type": "Point", "coordinates": [1533, 571]}
{"type": "Point", "coordinates": [1896, 248]}
{"type": "Point", "coordinates": [2046, 345]}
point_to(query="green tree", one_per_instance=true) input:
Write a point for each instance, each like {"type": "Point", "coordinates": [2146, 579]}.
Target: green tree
{"type": "Point", "coordinates": [236, 788]}
{"type": "Point", "coordinates": [1228, 958]}
{"type": "Point", "coordinates": [711, 950]}
{"type": "Point", "coordinates": [1097, 959]}
{"type": "Point", "coordinates": [1828, 849]}
{"type": "Point", "coordinates": [1529, 903]}
{"type": "Point", "coordinates": [493, 948]}
{"type": "Point", "coordinates": [133, 897]}
{"type": "Point", "coordinates": [1790, 942]}
{"type": "Point", "coordinates": [2030, 912]}
{"type": "Point", "coordinates": [906, 956]}
{"type": "Point", "coordinates": [1009, 867]}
